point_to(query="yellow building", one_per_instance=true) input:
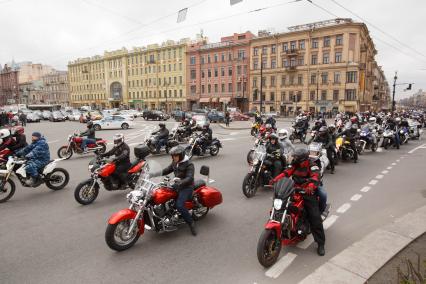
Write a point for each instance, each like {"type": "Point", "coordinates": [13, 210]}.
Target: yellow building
{"type": "Point", "coordinates": [147, 77]}
{"type": "Point", "coordinates": [320, 67]}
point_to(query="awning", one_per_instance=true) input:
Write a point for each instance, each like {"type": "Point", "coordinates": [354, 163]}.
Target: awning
{"type": "Point", "coordinates": [225, 100]}
{"type": "Point", "coordinates": [204, 100]}
{"type": "Point", "coordinates": [215, 100]}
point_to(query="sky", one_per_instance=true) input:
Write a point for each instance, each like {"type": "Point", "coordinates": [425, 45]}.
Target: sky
{"type": "Point", "coordinates": [54, 32]}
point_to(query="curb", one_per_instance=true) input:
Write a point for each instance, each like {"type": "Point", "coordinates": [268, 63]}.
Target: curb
{"type": "Point", "coordinates": [358, 262]}
{"type": "Point", "coordinates": [233, 128]}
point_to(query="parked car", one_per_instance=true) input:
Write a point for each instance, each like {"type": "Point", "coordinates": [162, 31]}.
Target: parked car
{"type": "Point", "coordinates": [155, 115]}
{"type": "Point", "coordinates": [74, 115]}
{"type": "Point", "coordinates": [131, 112]}
{"type": "Point", "coordinates": [250, 113]}
{"type": "Point", "coordinates": [64, 113]}
{"type": "Point", "coordinates": [46, 114]}
{"type": "Point", "coordinates": [57, 116]}
{"type": "Point", "coordinates": [38, 113]}
{"type": "Point", "coordinates": [32, 117]}
{"type": "Point", "coordinates": [274, 114]}
{"type": "Point", "coordinates": [113, 122]}
{"type": "Point", "coordinates": [200, 110]}
{"type": "Point", "coordinates": [238, 116]}
{"type": "Point", "coordinates": [216, 116]}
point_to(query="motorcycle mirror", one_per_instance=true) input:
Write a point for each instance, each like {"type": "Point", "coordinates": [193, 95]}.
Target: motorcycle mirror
{"type": "Point", "coordinates": [205, 170]}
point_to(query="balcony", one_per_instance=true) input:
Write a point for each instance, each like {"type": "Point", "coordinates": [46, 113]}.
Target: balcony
{"type": "Point", "coordinates": [291, 52]}
{"type": "Point", "coordinates": [291, 68]}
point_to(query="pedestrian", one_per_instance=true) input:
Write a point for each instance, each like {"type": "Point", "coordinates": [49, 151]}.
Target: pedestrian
{"type": "Point", "coordinates": [227, 118]}
{"type": "Point", "coordinates": [23, 119]}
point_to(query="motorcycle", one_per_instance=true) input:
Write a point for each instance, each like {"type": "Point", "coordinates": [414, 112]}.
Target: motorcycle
{"type": "Point", "coordinates": [287, 224]}
{"type": "Point", "coordinates": [368, 139]}
{"type": "Point", "coordinates": [298, 133]}
{"type": "Point", "coordinates": [344, 150]}
{"type": "Point", "coordinates": [103, 173]}
{"type": "Point", "coordinates": [318, 155]}
{"type": "Point", "coordinates": [74, 146]}
{"type": "Point", "coordinates": [255, 128]}
{"type": "Point", "coordinates": [152, 141]}
{"type": "Point", "coordinates": [55, 178]}
{"type": "Point", "coordinates": [250, 154]}
{"type": "Point", "coordinates": [4, 155]}
{"type": "Point", "coordinates": [195, 148]}
{"type": "Point", "coordinates": [389, 138]}
{"type": "Point", "coordinates": [180, 134]}
{"type": "Point", "coordinates": [152, 207]}
{"type": "Point", "coordinates": [404, 135]}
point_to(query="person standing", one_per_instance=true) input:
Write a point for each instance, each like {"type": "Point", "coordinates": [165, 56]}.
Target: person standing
{"type": "Point", "coordinates": [23, 119]}
{"type": "Point", "coordinates": [227, 118]}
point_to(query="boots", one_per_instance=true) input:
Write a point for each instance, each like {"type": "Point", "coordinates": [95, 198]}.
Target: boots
{"type": "Point", "coordinates": [192, 228]}
{"type": "Point", "coordinates": [321, 250]}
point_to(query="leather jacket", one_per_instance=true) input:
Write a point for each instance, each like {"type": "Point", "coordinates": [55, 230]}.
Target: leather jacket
{"type": "Point", "coordinates": [121, 153]}
{"type": "Point", "coordinates": [183, 170]}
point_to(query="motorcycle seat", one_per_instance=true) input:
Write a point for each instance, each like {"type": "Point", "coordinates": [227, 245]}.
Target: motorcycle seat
{"type": "Point", "coordinates": [199, 183]}
{"type": "Point", "coordinates": [98, 139]}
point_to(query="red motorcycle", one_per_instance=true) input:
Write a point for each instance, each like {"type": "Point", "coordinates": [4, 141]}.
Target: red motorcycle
{"type": "Point", "coordinates": [287, 224]}
{"type": "Point", "coordinates": [74, 146]}
{"type": "Point", "coordinates": [4, 155]}
{"type": "Point", "coordinates": [103, 172]}
{"type": "Point", "coordinates": [152, 207]}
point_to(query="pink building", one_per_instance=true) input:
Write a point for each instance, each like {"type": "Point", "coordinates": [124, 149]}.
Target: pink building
{"type": "Point", "coordinates": [218, 73]}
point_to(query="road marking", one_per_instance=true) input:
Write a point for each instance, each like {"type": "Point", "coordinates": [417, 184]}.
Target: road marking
{"type": "Point", "coordinates": [398, 160]}
{"type": "Point", "coordinates": [379, 176]}
{"type": "Point", "coordinates": [373, 182]}
{"type": "Point", "coordinates": [393, 164]}
{"type": "Point", "coordinates": [379, 150]}
{"type": "Point", "coordinates": [279, 267]}
{"type": "Point", "coordinates": [385, 172]}
{"type": "Point", "coordinates": [228, 139]}
{"type": "Point", "coordinates": [329, 221]}
{"type": "Point", "coordinates": [342, 209]}
{"type": "Point", "coordinates": [306, 243]}
{"type": "Point", "coordinates": [419, 147]}
{"type": "Point", "coordinates": [389, 168]}
{"type": "Point", "coordinates": [365, 188]}
{"type": "Point", "coordinates": [53, 141]}
{"type": "Point", "coordinates": [356, 197]}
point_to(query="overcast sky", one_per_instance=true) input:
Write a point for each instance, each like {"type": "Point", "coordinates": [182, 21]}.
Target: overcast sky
{"type": "Point", "coordinates": [54, 32]}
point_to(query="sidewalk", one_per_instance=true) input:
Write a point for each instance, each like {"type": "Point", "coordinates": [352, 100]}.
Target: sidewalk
{"type": "Point", "coordinates": [357, 263]}
{"type": "Point", "coordinates": [237, 125]}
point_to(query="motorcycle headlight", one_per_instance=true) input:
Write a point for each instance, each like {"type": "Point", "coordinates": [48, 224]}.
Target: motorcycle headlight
{"type": "Point", "coordinates": [135, 195]}
{"type": "Point", "coordinates": [278, 203]}
{"type": "Point", "coordinates": [255, 161]}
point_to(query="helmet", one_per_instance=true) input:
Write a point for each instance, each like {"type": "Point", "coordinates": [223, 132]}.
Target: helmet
{"type": "Point", "coordinates": [300, 155]}
{"type": "Point", "coordinates": [323, 130]}
{"type": "Point", "coordinates": [178, 151]}
{"type": "Point", "coordinates": [206, 125]}
{"type": "Point", "coordinates": [318, 122]}
{"type": "Point", "coordinates": [268, 126]}
{"type": "Point", "coordinates": [354, 126]}
{"type": "Point", "coordinates": [398, 119]}
{"type": "Point", "coordinates": [18, 130]}
{"type": "Point", "coordinates": [4, 133]}
{"type": "Point", "coordinates": [354, 119]}
{"type": "Point", "coordinates": [282, 133]}
{"type": "Point", "coordinates": [372, 119]}
{"type": "Point", "coordinates": [273, 136]}
{"type": "Point", "coordinates": [118, 139]}
{"type": "Point", "coordinates": [162, 124]}
{"type": "Point", "coordinates": [332, 127]}
{"type": "Point", "coordinates": [89, 124]}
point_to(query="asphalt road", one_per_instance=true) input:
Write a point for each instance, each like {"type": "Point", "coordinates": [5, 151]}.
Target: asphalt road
{"type": "Point", "coordinates": [47, 237]}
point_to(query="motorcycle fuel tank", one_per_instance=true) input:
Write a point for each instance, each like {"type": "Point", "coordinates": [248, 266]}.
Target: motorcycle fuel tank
{"type": "Point", "coordinates": [163, 195]}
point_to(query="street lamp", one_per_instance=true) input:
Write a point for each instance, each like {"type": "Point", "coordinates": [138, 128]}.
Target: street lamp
{"type": "Point", "coordinates": [167, 84]}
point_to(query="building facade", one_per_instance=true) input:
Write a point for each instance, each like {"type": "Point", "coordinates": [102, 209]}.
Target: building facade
{"type": "Point", "coordinates": [319, 67]}
{"type": "Point", "coordinates": [29, 71]}
{"type": "Point", "coordinates": [55, 87]}
{"type": "Point", "coordinates": [151, 77]}
{"type": "Point", "coordinates": [218, 73]}
{"type": "Point", "coordinates": [9, 86]}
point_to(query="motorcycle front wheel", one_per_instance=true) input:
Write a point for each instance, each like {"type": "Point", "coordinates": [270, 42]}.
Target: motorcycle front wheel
{"type": "Point", "coordinates": [7, 190]}
{"type": "Point", "coordinates": [84, 192]}
{"type": "Point", "coordinates": [64, 152]}
{"type": "Point", "coordinates": [249, 185]}
{"type": "Point", "coordinates": [253, 132]}
{"type": "Point", "coordinates": [117, 238]}
{"type": "Point", "coordinates": [102, 150]}
{"type": "Point", "coordinates": [57, 179]}
{"type": "Point", "coordinates": [268, 248]}
{"type": "Point", "coordinates": [250, 155]}
{"type": "Point", "coordinates": [214, 150]}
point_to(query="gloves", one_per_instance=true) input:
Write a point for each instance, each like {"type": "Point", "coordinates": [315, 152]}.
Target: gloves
{"type": "Point", "coordinates": [175, 186]}
{"type": "Point", "coordinates": [310, 189]}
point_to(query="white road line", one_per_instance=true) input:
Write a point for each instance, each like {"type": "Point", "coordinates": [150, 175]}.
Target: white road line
{"type": "Point", "coordinates": [389, 168]}
{"type": "Point", "coordinates": [373, 182]}
{"type": "Point", "coordinates": [379, 176]}
{"type": "Point", "coordinates": [385, 172]}
{"type": "Point", "coordinates": [419, 147]}
{"type": "Point", "coordinates": [356, 197]}
{"type": "Point", "coordinates": [306, 243]}
{"type": "Point", "coordinates": [379, 150]}
{"type": "Point", "coordinates": [228, 139]}
{"type": "Point", "coordinates": [329, 221]}
{"type": "Point", "coordinates": [279, 267]}
{"type": "Point", "coordinates": [342, 209]}
{"type": "Point", "coordinates": [398, 160]}
{"type": "Point", "coordinates": [365, 188]}
{"type": "Point", "coordinates": [53, 141]}
{"type": "Point", "coordinates": [393, 164]}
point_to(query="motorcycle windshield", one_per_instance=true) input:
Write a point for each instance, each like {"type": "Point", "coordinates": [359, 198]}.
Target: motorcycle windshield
{"type": "Point", "coordinates": [283, 188]}
{"type": "Point", "coordinates": [260, 153]}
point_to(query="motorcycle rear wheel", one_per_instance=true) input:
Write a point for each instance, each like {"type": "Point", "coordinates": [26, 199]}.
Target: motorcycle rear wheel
{"type": "Point", "coordinates": [57, 182]}
{"type": "Point", "coordinates": [374, 147]}
{"type": "Point", "coordinates": [116, 235]}
{"type": "Point", "coordinates": [249, 185]}
{"type": "Point", "coordinates": [268, 248]}
{"type": "Point", "coordinates": [63, 153]}
{"type": "Point", "coordinates": [82, 194]}
{"type": "Point", "coordinates": [199, 213]}
{"type": "Point", "coordinates": [214, 150]}
{"type": "Point", "coordinates": [4, 195]}
{"type": "Point", "coordinates": [102, 150]}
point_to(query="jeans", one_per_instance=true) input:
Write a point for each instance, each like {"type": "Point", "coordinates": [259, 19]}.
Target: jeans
{"type": "Point", "coordinates": [160, 142]}
{"type": "Point", "coordinates": [184, 195]}
{"type": "Point", "coordinates": [87, 141]}
{"type": "Point", "coordinates": [322, 195]}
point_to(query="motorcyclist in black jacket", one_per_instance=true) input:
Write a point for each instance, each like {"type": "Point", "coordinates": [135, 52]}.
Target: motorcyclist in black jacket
{"type": "Point", "coordinates": [183, 169]}
{"type": "Point", "coordinates": [20, 139]}
{"type": "Point", "coordinates": [324, 137]}
{"type": "Point", "coordinates": [273, 149]}
{"type": "Point", "coordinates": [351, 133]}
{"type": "Point", "coordinates": [91, 137]}
{"type": "Point", "coordinates": [207, 137]}
{"type": "Point", "coordinates": [271, 120]}
{"type": "Point", "coordinates": [121, 153]}
{"type": "Point", "coordinates": [162, 136]}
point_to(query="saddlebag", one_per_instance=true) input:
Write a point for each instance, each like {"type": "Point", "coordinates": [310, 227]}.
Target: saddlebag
{"type": "Point", "coordinates": [141, 151]}
{"type": "Point", "coordinates": [209, 196]}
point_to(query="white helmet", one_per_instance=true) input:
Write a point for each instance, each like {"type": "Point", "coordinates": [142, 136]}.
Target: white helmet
{"type": "Point", "coordinates": [398, 119]}
{"type": "Point", "coordinates": [118, 139]}
{"type": "Point", "coordinates": [372, 120]}
{"type": "Point", "coordinates": [4, 133]}
{"type": "Point", "coordinates": [282, 133]}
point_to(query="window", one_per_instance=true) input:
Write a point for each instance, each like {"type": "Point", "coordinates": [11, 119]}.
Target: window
{"type": "Point", "coordinates": [208, 58]}
{"type": "Point", "coordinates": [292, 45]}
{"type": "Point", "coordinates": [202, 89]}
{"type": "Point", "coordinates": [263, 81]}
{"type": "Point", "coordinates": [230, 71]}
{"type": "Point", "coordinates": [291, 79]}
{"type": "Point", "coordinates": [338, 57]}
{"type": "Point", "coordinates": [230, 87]}
{"type": "Point", "coordinates": [283, 80]}
{"type": "Point", "coordinates": [302, 44]}
{"type": "Point", "coordinates": [272, 96]}
{"type": "Point", "coordinates": [201, 59]}
{"type": "Point", "coordinates": [193, 90]}
{"type": "Point", "coordinates": [192, 60]}
{"type": "Point", "coordinates": [339, 40]}
{"type": "Point", "coordinates": [324, 78]}
{"type": "Point", "coordinates": [254, 82]}
{"type": "Point", "coordinates": [283, 96]}
{"type": "Point", "coordinates": [326, 58]}
{"type": "Point", "coordinates": [273, 49]}
{"type": "Point", "coordinates": [336, 77]}
{"type": "Point", "coordinates": [193, 75]}
{"type": "Point", "coordinates": [209, 88]}
{"type": "Point", "coordinates": [255, 95]}
{"type": "Point", "coordinates": [223, 88]}
{"type": "Point", "coordinates": [239, 87]}
{"type": "Point", "coordinates": [350, 95]}
{"type": "Point", "coordinates": [255, 52]}
{"type": "Point", "coordinates": [230, 56]}
{"type": "Point", "coordinates": [301, 61]}
{"type": "Point", "coordinates": [323, 95]}
{"type": "Point", "coordinates": [273, 63]}
{"type": "Point", "coordinates": [255, 64]}
{"type": "Point", "coordinates": [216, 72]}
{"type": "Point", "coordinates": [222, 71]}
{"type": "Point", "coordinates": [285, 46]}
{"type": "Point", "coordinates": [202, 74]}
{"type": "Point", "coordinates": [209, 73]}
{"type": "Point", "coordinates": [314, 59]}
{"type": "Point", "coordinates": [239, 70]}
{"type": "Point", "coordinates": [315, 43]}
{"type": "Point", "coordinates": [216, 88]}
{"type": "Point", "coordinates": [326, 41]}
{"type": "Point", "coordinates": [312, 96]}
{"type": "Point", "coordinates": [241, 54]}
{"type": "Point", "coordinates": [300, 79]}
{"type": "Point", "coordinates": [272, 81]}
{"type": "Point", "coordinates": [293, 62]}
{"type": "Point", "coordinates": [335, 95]}
{"type": "Point", "coordinates": [285, 63]}
{"type": "Point", "coordinates": [351, 77]}
{"type": "Point", "coordinates": [313, 78]}
{"type": "Point", "coordinates": [215, 57]}
{"type": "Point", "coordinates": [264, 63]}
{"type": "Point", "coordinates": [264, 50]}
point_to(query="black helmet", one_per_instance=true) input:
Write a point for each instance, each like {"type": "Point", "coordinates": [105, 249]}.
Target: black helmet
{"type": "Point", "coordinates": [273, 136]}
{"type": "Point", "coordinates": [162, 124]}
{"type": "Point", "coordinates": [300, 155]}
{"type": "Point", "coordinates": [89, 124]}
{"type": "Point", "coordinates": [323, 130]}
{"type": "Point", "coordinates": [178, 151]}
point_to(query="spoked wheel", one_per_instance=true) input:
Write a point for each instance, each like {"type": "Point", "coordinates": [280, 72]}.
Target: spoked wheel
{"type": "Point", "coordinates": [188, 152]}
{"type": "Point", "coordinates": [86, 192]}
{"type": "Point", "coordinates": [268, 248]}
{"type": "Point", "coordinates": [199, 213]}
{"type": "Point", "coordinates": [249, 185]}
{"type": "Point", "coordinates": [253, 132]}
{"type": "Point", "coordinates": [64, 152]}
{"type": "Point", "coordinates": [7, 190]}
{"type": "Point", "coordinates": [214, 150]}
{"type": "Point", "coordinates": [57, 179]}
{"type": "Point", "coordinates": [117, 237]}
{"type": "Point", "coordinates": [250, 156]}
{"type": "Point", "coordinates": [374, 147]}
{"type": "Point", "coordinates": [102, 149]}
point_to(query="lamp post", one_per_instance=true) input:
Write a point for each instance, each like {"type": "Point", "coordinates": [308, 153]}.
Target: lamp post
{"type": "Point", "coordinates": [167, 85]}
{"type": "Point", "coordinates": [393, 93]}
{"type": "Point", "coordinates": [261, 82]}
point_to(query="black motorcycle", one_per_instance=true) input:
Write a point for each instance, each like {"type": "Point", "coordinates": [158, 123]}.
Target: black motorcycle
{"type": "Point", "coordinates": [195, 146]}
{"type": "Point", "coordinates": [298, 133]}
{"type": "Point", "coordinates": [152, 141]}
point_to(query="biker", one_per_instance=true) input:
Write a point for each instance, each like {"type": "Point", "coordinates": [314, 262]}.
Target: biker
{"type": "Point", "coordinates": [206, 136]}
{"type": "Point", "coordinates": [306, 175]}
{"type": "Point", "coordinates": [121, 153]}
{"type": "Point", "coordinates": [20, 139]}
{"type": "Point", "coordinates": [351, 134]}
{"type": "Point", "coordinates": [273, 149]}
{"type": "Point", "coordinates": [183, 169]}
{"type": "Point", "coordinates": [37, 155]}
{"type": "Point", "coordinates": [6, 139]}
{"type": "Point", "coordinates": [162, 136]}
{"type": "Point", "coordinates": [326, 139]}
{"type": "Point", "coordinates": [271, 120]}
{"type": "Point", "coordinates": [393, 125]}
{"type": "Point", "coordinates": [372, 123]}
{"type": "Point", "coordinates": [90, 133]}
{"type": "Point", "coordinates": [285, 143]}
{"type": "Point", "coordinates": [258, 118]}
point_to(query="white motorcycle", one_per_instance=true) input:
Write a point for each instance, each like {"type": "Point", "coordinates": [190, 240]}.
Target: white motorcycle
{"type": "Point", "coordinates": [54, 178]}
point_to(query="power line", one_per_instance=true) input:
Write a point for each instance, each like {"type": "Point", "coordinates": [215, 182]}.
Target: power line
{"type": "Point", "coordinates": [325, 10]}
{"type": "Point", "coordinates": [377, 28]}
